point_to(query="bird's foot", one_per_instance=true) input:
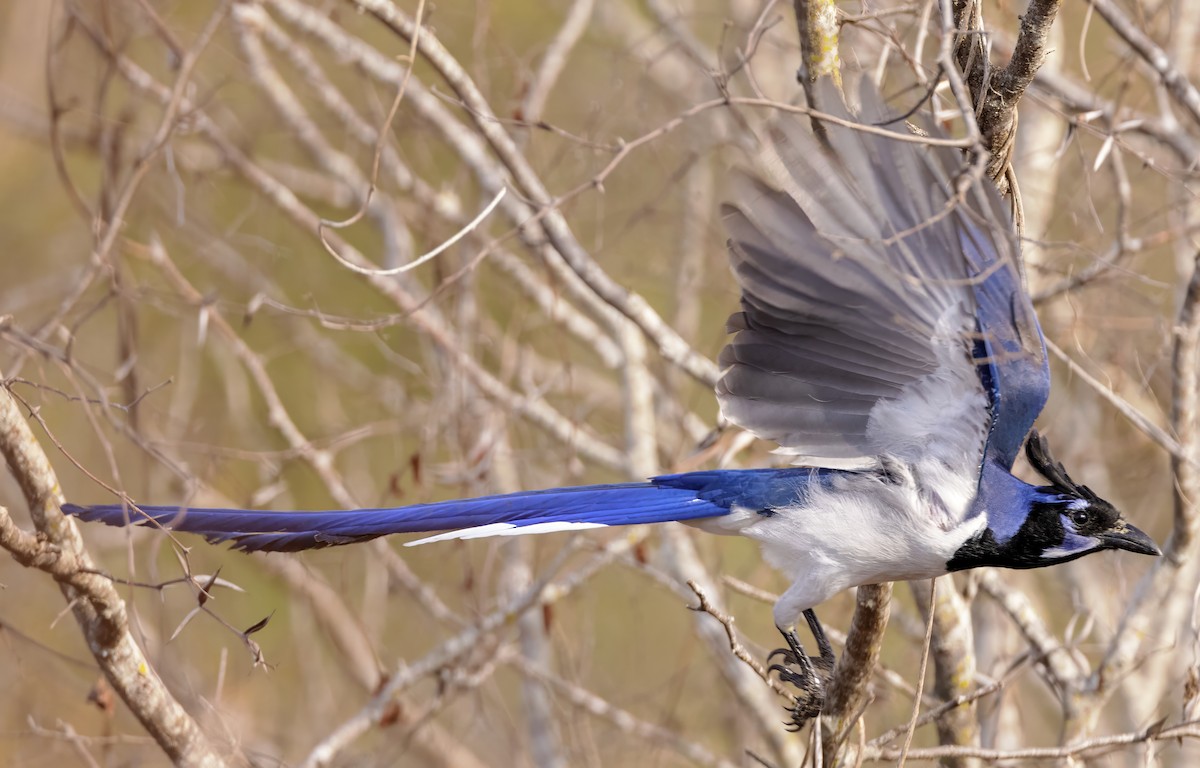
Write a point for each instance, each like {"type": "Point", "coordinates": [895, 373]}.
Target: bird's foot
{"type": "Point", "coordinates": [799, 671]}
{"type": "Point", "coordinates": [810, 693]}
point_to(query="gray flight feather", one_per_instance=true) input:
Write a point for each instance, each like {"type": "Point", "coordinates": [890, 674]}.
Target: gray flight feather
{"type": "Point", "coordinates": [856, 292]}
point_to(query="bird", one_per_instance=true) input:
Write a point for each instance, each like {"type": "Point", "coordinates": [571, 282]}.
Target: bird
{"type": "Point", "coordinates": [885, 341]}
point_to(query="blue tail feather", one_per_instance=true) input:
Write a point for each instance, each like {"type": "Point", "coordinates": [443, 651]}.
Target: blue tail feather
{"type": "Point", "coordinates": [687, 496]}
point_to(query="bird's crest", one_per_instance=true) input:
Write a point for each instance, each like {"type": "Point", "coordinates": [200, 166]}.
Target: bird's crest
{"type": "Point", "coordinates": [1037, 450]}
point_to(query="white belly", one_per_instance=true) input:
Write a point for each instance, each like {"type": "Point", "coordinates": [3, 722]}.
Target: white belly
{"type": "Point", "coordinates": [859, 530]}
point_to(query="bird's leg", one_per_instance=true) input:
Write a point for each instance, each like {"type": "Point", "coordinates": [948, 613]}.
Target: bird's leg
{"type": "Point", "coordinates": [826, 660]}
{"type": "Point", "coordinates": [798, 670]}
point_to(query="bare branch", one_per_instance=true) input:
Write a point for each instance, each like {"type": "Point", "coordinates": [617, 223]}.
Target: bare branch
{"type": "Point", "coordinates": [847, 693]}
{"type": "Point", "coordinates": [668, 342]}
{"type": "Point", "coordinates": [1175, 81]}
{"type": "Point", "coordinates": [58, 550]}
{"type": "Point", "coordinates": [996, 93]}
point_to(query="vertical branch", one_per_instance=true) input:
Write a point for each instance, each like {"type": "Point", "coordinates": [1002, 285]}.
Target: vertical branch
{"type": "Point", "coordinates": [541, 718]}
{"type": "Point", "coordinates": [996, 93]}
{"type": "Point", "coordinates": [953, 652]}
{"type": "Point", "coordinates": [99, 610]}
{"type": "Point", "coordinates": [846, 696]}
{"type": "Point", "coordinates": [970, 46]}
{"type": "Point", "coordinates": [998, 106]}
{"type": "Point", "coordinates": [1037, 164]}
{"type": "Point", "coordinates": [637, 389]}
{"type": "Point", "coordinates": [1184, 208]}
{"type": "Point", "coordinates": [699, 191]}
{"type": "Point", "coordinates": [1185, 421]}
{"type": "Point", "coordinates": [1174, 574]}
{"type": "Point", "coordinates": [818, 26]}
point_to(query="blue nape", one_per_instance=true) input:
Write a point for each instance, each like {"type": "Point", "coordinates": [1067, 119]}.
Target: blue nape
{"type": "Point", "coordinates": [687, 496]}
{"type": "Point", "coordinates": [1005, 499]}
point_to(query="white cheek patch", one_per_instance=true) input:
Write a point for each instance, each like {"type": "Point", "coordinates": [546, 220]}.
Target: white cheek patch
{"type": "Point", "coordinates": [1074, 544]}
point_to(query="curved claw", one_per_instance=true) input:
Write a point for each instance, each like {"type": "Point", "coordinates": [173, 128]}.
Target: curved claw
{"type": "Point", "coordinates": [786, 653]}
{"type": "Point", "coordinates": [790, 677]}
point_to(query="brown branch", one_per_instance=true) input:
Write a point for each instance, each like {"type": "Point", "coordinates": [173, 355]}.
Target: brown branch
{"type": "Point", "coordinates": [847, 693]}
{"type": "Point", "coordinates": [1083, 748]}
{"type": "Point", "coordinates": [1174, 573]}
{"type": "Point", "coordinates": [632, 305]}
{"type": "Point", "coordinates": [537, 411]}
{"type": "Point", "coordinates": [1185, 421]}
{"type": "Point", "coordinates": [953, 652]}
{"type": "Point", "coordinates": [100, 612]}
{"type": "Point", "coordinates": [735, 644]}
{"type": "Point", "coordinates": [996, 93]}
{"type": "Point", "coordinates": [1060, 667]}
{"type": "Point", "coordinates": [1175, 81]}
{"type": "Point", "coordinates": [817, 23]}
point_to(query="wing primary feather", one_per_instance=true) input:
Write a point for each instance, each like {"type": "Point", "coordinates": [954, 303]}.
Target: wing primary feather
{"type": "Point", "coordinates": [875, 273]}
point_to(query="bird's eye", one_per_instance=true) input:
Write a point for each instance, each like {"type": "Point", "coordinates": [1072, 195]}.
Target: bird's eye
{"type": "Point", "coordinates": [1079, 517]}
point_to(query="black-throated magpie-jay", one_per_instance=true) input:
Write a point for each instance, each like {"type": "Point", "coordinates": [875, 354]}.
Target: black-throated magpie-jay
{"type": "Point", "coordinates": [885, 341]}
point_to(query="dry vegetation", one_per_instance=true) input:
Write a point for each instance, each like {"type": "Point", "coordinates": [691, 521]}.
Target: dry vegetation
{"type": "Point", "coordinates": [196, 205]}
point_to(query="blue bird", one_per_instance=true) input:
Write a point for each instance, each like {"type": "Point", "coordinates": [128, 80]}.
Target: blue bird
{"type": "Point", "coordinates": [885, 341]}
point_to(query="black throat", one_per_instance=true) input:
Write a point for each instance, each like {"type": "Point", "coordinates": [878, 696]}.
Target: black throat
{"type": "Point", "coordinates": [1042, 530]}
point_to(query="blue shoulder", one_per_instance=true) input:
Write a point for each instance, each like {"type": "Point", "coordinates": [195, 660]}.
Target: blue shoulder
{"type": "Point", "coordinates": [759, 489]}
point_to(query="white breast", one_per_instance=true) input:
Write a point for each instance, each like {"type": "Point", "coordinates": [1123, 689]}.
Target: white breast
{"type": "Point", "coordinates": [861, 529]}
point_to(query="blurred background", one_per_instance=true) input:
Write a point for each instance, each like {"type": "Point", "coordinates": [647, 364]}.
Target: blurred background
{"type": "Point", "coordinates": [174, 315]}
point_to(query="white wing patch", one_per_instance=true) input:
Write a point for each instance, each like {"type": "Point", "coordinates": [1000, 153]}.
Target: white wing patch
{"type": "Point", "coordinates": [505, 529]}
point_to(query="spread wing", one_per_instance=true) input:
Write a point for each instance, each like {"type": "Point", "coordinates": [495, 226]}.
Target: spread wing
{"type": "Point", "coordinates": [883, 312]}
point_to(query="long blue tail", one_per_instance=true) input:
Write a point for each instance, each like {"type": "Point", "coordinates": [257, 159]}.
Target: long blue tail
{"type": "Point", "coordinates": [687, 496]}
